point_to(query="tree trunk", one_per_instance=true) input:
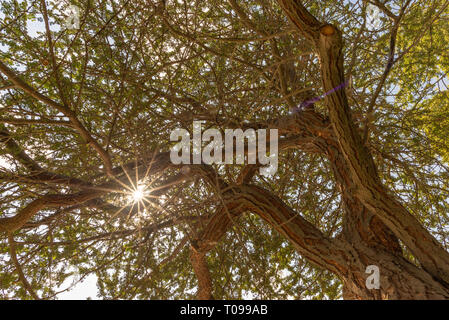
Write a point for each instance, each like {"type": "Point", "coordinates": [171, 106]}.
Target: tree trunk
{"type": "Point", "coordinates": [399, 279]}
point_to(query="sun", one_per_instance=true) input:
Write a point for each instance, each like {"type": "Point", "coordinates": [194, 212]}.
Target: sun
{"type": "Point", "coordinates": [138, 194]}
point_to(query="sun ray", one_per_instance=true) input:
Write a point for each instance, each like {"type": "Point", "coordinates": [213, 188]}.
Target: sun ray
{"type": "Point", "coordinates": [155, 205]}
{"type": "Point", "coordinates": [118, 212]}
{"type": "Point", "coordinates": [133, 187]}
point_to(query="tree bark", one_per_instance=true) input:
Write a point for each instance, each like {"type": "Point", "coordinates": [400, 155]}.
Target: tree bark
{"type": "Point", "coordinates": [363, 189]}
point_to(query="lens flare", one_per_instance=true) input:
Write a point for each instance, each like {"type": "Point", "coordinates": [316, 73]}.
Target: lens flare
{"type": "Point", "coordinates": [138, 194]}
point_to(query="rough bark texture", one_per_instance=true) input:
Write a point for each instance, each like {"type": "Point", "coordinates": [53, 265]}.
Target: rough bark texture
{"type": "Point", "coordinates": [199, 264]}
{"type": "Point", "coordinates": [374, 220]}
{"type": "Point", "coordinates": [361, 180]}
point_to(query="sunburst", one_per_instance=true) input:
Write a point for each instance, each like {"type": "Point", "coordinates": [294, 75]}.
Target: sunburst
{"type": "Point", "coordinates": [137, 193]}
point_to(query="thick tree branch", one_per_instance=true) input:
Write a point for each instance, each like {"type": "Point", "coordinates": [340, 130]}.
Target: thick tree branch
{"type": "Point", "coordinates": [201, 269]}
{"type": "Point", "coordinates": [14, 223]}
{"type": "Point", "coordinates": [157, 163]}
{"type": "Point", "coordinates": [306, 23]}
{"type": "Point", "coordinates": [369, 190]}
{"type": "Point", "coordinates": [305, 237]}
{"type": "Point", "coordinates": [16, 151]}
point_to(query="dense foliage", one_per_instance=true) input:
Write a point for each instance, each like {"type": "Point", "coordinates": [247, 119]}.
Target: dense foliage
{"type": "Point", "coordinates": [135, 70]}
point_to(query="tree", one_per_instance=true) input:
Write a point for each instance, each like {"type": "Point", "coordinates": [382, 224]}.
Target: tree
{"type": "Point", "coordinates": [87, 185]}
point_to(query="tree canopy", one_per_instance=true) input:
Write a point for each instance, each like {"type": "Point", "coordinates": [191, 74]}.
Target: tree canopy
{"type": "Point", "coordinates": [86, 114]}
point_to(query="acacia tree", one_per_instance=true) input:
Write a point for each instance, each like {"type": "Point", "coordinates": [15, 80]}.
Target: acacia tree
{"type": "Point", "coordinates": [87, 185]}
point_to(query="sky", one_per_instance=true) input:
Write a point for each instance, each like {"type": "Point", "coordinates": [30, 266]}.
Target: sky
{"type": "Point", "coordinates": [82, 291]}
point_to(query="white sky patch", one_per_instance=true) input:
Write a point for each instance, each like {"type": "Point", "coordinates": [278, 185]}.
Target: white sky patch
{"type": "Point", "coordinates": [36, 27]}
{"type": "Point", "coordinates": [5, 164]}
{"type": "Point", "coordinates": [248, 295]}
{"type": "Point", "coordinates": [81, 291]}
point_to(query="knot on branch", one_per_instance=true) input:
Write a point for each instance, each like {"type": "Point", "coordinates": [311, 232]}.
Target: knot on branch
{"type": "Point", "coordinates": [327, 30]}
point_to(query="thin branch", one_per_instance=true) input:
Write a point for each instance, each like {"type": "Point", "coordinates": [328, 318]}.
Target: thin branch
{"type": "Point", "coordinates": [390, 62]}
{"type": "Point", "coordinates": [16, 80]}
{"type": "Point", "coordinates": [21, 121]}
{"type": "Point", "coordinates": [26, 284]}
